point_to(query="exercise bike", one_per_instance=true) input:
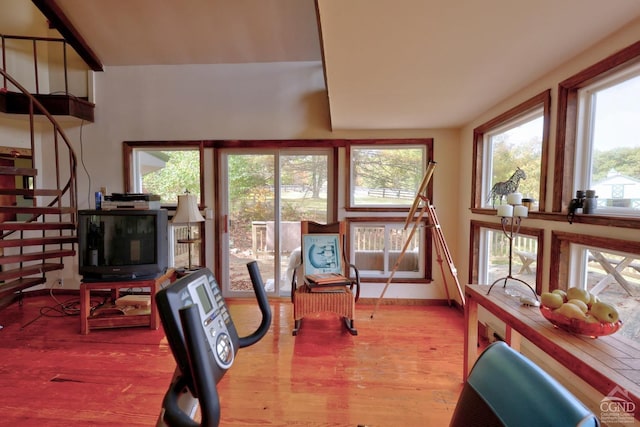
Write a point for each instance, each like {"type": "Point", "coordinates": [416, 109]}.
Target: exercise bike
{"type": "Point", "coordinates": [204, 342]}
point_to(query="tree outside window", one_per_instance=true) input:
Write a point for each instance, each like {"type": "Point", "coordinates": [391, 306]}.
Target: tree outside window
{"type": "Point", "coordinates": [608, 157]}
{"type": "Point", "coordinates": [510, 153]}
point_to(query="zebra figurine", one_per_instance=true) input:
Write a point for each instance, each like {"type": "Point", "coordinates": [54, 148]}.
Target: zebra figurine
{"type": "Point", "coordinates": [501, 189]}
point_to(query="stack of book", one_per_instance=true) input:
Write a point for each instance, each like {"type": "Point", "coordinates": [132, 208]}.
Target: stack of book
{"type": "Point", "coordinates": [327, 282]}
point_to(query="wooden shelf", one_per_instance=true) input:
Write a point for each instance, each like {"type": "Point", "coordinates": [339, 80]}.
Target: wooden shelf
{"type": "Point", "coordinates": [88, 322]}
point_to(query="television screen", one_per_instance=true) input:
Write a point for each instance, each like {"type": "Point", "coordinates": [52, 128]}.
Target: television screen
{"type": "Point", "coordinates": [122, 244]}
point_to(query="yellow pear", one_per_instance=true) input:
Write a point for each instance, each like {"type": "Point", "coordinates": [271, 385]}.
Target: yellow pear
{"type": "Point", "coordinates": [581, 305]}
{"type": "Point", "coordinates": [578, 293]}
{"type": "Point", "coordinates": [604, 312]}
{"type": "Point", "coordinates": [551, 299]}
{"type": "Point", "coordinates": [561, 292]}
{"type": "Point", "coordinates": [570, 311]}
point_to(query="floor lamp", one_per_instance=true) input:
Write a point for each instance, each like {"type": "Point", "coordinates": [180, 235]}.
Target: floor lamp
{"type": "Point", "coordinates": [188, 213]}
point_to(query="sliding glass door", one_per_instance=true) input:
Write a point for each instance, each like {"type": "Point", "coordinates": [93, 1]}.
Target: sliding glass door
{"type": "Point", "coordinates": [267, 194]}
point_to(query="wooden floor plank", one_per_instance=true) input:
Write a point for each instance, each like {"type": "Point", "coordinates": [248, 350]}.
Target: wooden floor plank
{"type": "Point", "coordinates": [404, 368]}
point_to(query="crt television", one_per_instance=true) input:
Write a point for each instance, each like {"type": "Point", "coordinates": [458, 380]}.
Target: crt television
{"type": "Point", "coordinates": [123, 244]}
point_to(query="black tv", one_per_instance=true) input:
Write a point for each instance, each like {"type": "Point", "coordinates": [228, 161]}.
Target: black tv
{"type": "Point", "coordinates": [122, 244]}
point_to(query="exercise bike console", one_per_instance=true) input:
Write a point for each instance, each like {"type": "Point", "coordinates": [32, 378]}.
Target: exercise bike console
{"type": "Point", "coordinates": [203, 340]}
{"type": "Point", "coordinates": [218, 331]}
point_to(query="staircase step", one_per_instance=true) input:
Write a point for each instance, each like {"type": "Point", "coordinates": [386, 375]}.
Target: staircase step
{"type": "Point", "coordinates": [36, 210]}
{"type": "Point", "coordinates": [30, 193]}
{"type": "Point", "coordinates": [10, 170]}
{"type": "Point", "coordinates": [30, 270]}
{"type": "Point", "coordinates": [33, 256]}
{"type": "Point", "coordinates": [18, 225]}
{"type": "Point", "coordinates": [9, 288]}
{"type": "Point", "coordinates": [36, 241]}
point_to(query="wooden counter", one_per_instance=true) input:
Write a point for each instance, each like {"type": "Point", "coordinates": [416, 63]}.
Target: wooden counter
{"type": "Point", "coordinates": [608, 363]}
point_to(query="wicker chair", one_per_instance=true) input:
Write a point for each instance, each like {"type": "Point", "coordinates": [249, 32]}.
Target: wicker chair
{"type": "Point", "coordinates": [305, 301]}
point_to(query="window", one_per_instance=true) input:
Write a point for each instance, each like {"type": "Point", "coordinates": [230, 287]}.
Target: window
{"type": "Point", "coordinates": [588, 149]}
{"type": "Point", "coordinates": [607, 158]}
{"type": "Point", "coordinates": [490, 256]}
{"type": "Point", "coordinates": [166, 172]}
{"type": "Point", "coordinates": [169, 170]}
{"type": "Point", "coordinates": [510, 153]}
{"type": "Point", "coordinates": [377, 246]}
{"type": "Point", "coordinates": [609, 268]}
{"type": "Point", "coordinates": [386, 176]}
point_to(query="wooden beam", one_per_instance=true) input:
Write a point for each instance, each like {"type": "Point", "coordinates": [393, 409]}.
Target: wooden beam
{"type": "Point", "coordinates": [60, 22]}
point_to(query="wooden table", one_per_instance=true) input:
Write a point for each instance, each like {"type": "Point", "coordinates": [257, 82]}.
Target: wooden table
{"type": "Point", "coordinates": [608, 364]}
{"type": "Point", "coordinates": [87, 322]}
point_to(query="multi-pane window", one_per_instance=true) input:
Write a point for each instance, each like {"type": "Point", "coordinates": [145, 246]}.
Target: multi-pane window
{"type": "Point", "coordinates": [607, 155]}
{"type": "Point", "coordinates": [386, 178]}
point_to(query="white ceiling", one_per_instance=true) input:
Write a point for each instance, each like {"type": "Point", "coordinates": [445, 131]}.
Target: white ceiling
{"type": "Point", "coordinates": [389, 63]}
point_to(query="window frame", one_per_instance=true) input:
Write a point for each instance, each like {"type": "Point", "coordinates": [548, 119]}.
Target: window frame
{"type": "Point", "coordinates": [129, 167]}
{"type": "Point", "coordinates": [475, 256]}
{"type": "Point", "coordinates": [561, 252]}
{"type": "Point", "coordinates": [479, 169]}
{"type": "Point", "coordinates": [427, 143]}
{"type": "Point", "coordinates": [567, 129]}
{"type": "Point", "coordinates": [426, 276]}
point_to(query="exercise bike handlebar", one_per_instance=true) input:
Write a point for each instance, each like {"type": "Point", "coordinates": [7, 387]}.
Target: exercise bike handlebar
{"type": "Point", "coordinates": [263, 303]}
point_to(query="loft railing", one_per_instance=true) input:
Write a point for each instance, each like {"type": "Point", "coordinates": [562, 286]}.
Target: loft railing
{"type": "Point", "coordinates": [34, 42]}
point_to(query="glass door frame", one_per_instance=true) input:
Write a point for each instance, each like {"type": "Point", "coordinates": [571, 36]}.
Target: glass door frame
{"type": "Point", "coordinates": [223, 206]}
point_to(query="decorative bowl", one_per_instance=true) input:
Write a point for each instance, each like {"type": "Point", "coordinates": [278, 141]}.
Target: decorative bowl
{"type": "Point", "coordinates": [580, 327]}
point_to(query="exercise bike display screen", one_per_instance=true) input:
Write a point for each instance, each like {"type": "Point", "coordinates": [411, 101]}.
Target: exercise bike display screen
{"type": "Point", "coordinates": [199, 288]}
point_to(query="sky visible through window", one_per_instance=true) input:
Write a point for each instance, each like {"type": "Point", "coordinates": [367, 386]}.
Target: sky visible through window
{"type": "Point", "coordinates": [617, 118]}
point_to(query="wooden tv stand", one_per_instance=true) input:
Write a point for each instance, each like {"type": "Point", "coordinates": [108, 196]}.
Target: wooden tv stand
{"type": "Point", "coordinates": [88, 322]}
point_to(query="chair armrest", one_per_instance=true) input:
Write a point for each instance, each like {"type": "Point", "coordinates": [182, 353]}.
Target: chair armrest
{"type": "Point", "coordinates": [356, 282]}
{"type": "Point", "coordinates": [294, 280]}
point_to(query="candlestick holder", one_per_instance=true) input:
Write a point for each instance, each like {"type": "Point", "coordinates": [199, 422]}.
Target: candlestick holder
{"type": "Point", "coordinates": [511, 227]}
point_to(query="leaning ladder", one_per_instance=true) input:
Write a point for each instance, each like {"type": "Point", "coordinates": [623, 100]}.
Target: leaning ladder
{"type": "Point", "coordinates": [440, 243]}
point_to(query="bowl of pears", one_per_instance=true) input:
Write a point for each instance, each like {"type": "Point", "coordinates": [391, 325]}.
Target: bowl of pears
{"type": "Point", "coordinates": [580, 312]}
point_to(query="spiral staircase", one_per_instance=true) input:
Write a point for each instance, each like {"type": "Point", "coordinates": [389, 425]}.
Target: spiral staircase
{"type": "Point", "coordinates": [39, 233]}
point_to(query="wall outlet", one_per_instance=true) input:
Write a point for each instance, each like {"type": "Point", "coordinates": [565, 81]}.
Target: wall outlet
{"type": "Point", "coordinates": [59, 283]}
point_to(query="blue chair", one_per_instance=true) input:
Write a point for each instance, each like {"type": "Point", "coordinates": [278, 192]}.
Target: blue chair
{"type": "Point", "coordinates": [505, 388]}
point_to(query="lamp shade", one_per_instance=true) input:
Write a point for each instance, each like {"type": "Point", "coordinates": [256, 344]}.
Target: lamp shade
{"type": "Point", "coordinates": [187, 210]}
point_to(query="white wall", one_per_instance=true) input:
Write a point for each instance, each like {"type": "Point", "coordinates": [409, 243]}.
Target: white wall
{"type": "Point", "coordinates": [623, 38]}
{"type": "Point", "coordinates": [244, 101]}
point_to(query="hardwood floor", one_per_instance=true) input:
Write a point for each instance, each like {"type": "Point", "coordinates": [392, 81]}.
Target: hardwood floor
{"type": "Point", "coordinates": [403, 369]}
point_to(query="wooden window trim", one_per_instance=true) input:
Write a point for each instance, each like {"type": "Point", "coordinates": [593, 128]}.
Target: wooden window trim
{"type": "Point", "coordinates": [428, 249]}
{"type": "Point", "coordinates": [542, 99]}
{"type": "Point", "coordinates": [564, 167]}
{"type": "Point", "coordinates": [427, 142]}
{"type": "Point", "coordinates": [474, 249]}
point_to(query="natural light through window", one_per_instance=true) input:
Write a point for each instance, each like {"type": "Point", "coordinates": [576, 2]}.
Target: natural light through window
{"type": "Point", "coordinates": [614, 277]}
{"type": "Point", "coordinates": [608, 154]}
{"type": "Point", "coordinates": [513, 156]}
{"type": "Point", "coordinates": [386, 176]}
